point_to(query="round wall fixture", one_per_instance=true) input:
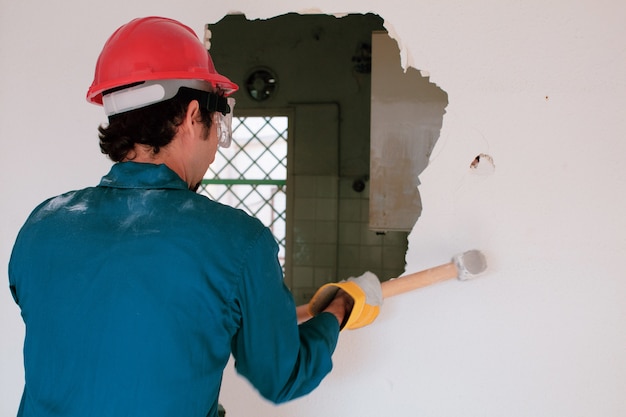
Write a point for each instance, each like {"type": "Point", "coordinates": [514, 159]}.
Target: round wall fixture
{"type": "Point", "coordinates": [261, 84]}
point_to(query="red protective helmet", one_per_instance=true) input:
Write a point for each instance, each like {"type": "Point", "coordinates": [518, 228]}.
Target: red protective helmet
{"type": "Point", "coordinates": [154, 48]}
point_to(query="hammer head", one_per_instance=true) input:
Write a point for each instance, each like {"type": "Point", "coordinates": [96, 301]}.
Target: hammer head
{"type": "Point", "coordinates": [470, 264]}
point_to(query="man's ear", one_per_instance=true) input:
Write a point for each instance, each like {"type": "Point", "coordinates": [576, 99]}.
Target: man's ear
{"type": "Point", "coordinates": [192, 115]}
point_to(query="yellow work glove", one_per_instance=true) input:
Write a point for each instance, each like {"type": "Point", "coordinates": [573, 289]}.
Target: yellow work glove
{"type": "Point", "coordinates": [366, 292]}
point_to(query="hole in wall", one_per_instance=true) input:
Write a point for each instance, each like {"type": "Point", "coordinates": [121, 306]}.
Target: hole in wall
{"type": "Point", "coordinates": [483, 165]}
{"type": "Point", "coordinates": [353, 143]}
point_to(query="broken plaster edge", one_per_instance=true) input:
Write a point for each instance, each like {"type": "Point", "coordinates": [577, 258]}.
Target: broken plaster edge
{"type": "Point", "coordinates": [406, 58]}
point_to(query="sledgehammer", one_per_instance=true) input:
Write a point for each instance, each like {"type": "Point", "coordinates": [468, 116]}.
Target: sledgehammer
{"type": "Point", "coordinates": [463, 266]}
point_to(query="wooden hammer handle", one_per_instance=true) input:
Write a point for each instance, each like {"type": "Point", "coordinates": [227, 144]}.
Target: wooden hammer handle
{"type": "Point", "coordinates": [402, 284]}
{"type": "Point", "coordinates": [419, 279]}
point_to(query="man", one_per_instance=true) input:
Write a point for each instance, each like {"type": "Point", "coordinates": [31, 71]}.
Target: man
{"type": "Point", "coordinates": [136, 292]}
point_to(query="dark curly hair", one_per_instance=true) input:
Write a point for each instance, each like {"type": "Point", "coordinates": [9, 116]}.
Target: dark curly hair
{"type": "Point", "coordinates": [154, 125]}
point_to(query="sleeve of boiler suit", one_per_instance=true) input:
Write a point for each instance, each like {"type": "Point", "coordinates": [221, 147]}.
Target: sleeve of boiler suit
{"type": "Point", "coordinates": [282, 360]}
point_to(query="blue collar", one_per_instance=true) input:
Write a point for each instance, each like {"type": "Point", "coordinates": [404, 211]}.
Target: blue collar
{"type": "Point", "coordinates": [142, 176]}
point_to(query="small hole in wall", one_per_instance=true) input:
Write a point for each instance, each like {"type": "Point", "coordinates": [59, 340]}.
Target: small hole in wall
{"type": "Point", "coordinates": [483, 165]}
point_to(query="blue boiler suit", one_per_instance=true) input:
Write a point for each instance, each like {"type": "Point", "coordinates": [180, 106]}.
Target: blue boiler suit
{"type": "Point", "coordinates": [134, 294]}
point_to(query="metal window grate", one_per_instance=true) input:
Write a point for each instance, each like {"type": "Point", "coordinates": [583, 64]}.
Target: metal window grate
{"type": "Point", "coordinates": [252, 173]}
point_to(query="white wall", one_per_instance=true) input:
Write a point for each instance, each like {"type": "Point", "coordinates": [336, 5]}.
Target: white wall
{"type": "Point", "coordinates": [537, 85]}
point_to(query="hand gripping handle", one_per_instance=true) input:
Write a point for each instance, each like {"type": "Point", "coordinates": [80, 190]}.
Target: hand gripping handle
{"type": "Point", "coordinates": [403, 284]}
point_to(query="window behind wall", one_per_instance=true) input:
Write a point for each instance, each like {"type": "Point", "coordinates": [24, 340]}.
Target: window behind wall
{"type": "Point", "coordinates": [251, 174]}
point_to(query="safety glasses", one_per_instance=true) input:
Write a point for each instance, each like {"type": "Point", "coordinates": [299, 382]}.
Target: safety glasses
{"type": "Point", "coordinates": [222, 109]}
{"type": "Point", "coordinates": [225, 124]}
